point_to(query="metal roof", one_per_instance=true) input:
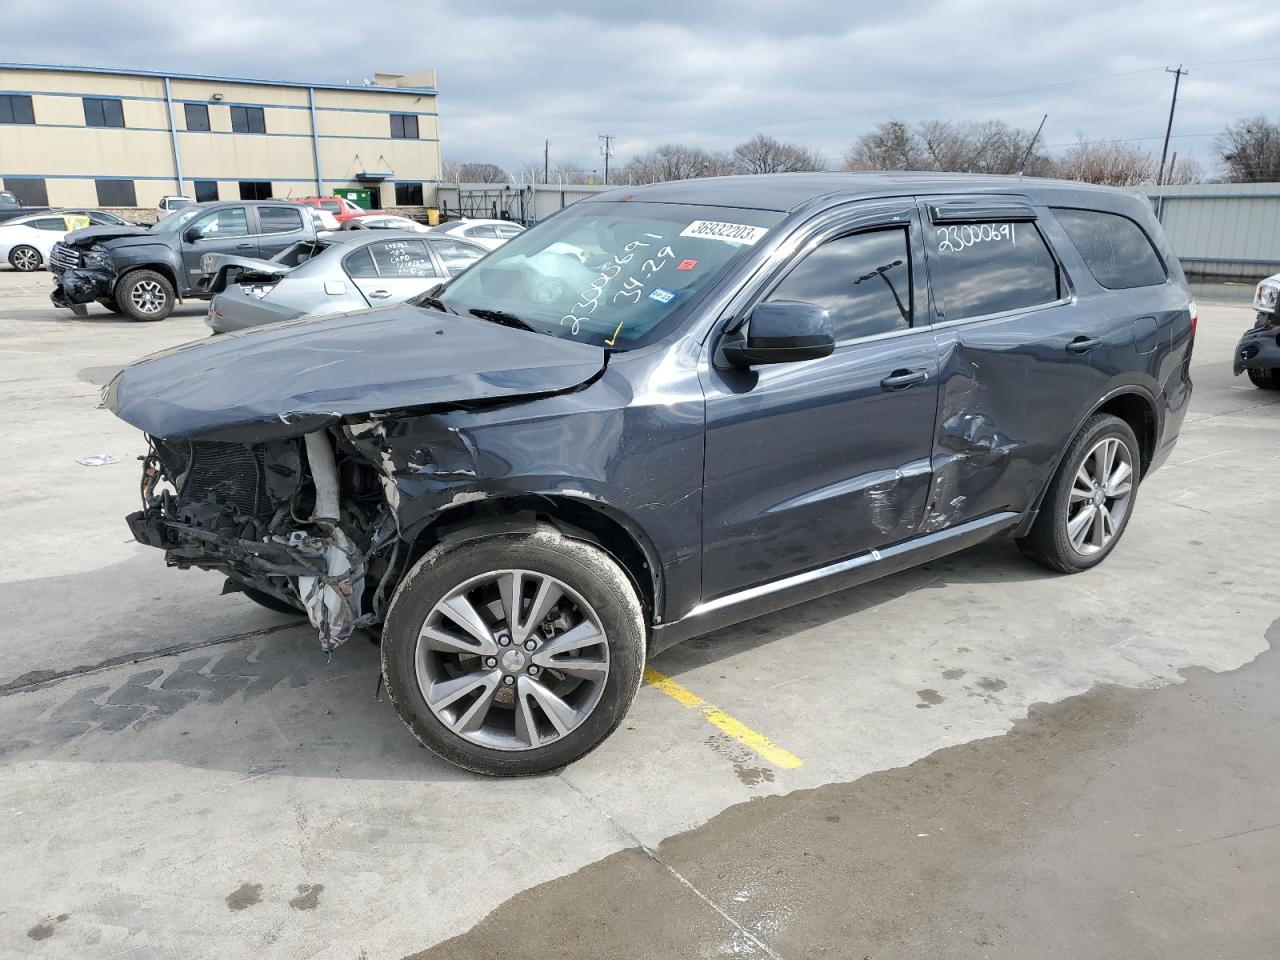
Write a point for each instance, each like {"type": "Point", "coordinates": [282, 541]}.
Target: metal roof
{"type": "Point", "coordinates": [161, 74]}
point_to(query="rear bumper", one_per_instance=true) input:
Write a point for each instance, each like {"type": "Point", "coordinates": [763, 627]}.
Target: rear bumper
{"type": "Point", "coordinates": [232, 310]}
{"type": "Point", "coordinates": [1259, 348]}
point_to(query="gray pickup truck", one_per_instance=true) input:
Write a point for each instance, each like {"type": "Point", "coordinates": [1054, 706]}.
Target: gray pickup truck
{"type": "Point", "coordinates": [142, 272]}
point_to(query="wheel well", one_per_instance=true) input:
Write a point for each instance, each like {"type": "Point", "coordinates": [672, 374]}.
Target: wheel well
{"type": "Point", "coordinates": [579, 519]}
{"type": "Point", "coordinates": [1138, 413]}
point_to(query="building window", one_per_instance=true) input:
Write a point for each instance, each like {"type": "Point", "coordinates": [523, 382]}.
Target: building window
{"type": "Point", "coordinates": [16, 108]}
{"type": "Point", "coordinates": [255, 189]}
{"type": "Point", "coordinates": [116, 193]}
{"type": "Point", "coordinates": [408, 194]}
{"type": "Point", "coordinates": [404, 126]}
{"type": "Point", "coordinates": [248, 120]}
{"type": "Point", "coordinates": [103, 112]}
{"type": "Point", "coordinates": [206, 191]}
{"type": "Point", "coordinates": [197, 116]}
{"type": "Point", "coordinates": [30, 192]}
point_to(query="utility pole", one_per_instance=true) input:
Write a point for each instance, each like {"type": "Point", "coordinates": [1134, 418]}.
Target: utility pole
{"type": "Point", "coordinates": [546, 160]}
{"type": "Point", "coordinates": [606, 151]}
{"type": "Point", "coordinates": [1178, 74]}
{"type": "Point", "coordinates": [1026, 156]}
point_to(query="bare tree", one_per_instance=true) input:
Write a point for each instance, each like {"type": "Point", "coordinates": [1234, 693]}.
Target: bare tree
{"type": "Point", "coordinates": [764, 154]}
{"type": "Point", "coordinates": [566, 171]}
{"type": "Point", "coordinates": [475, 173]}
{"type": "Point", "coordinates": [675, 161]}
{"type": "Point", "coordinates": [1108, 162]}
{"type": "Point", "coordinates": [1250, 150]}
{"type": "Point", "coordinates": [530, 171]}
{"type": "Point", "coordinates": [890, 146]}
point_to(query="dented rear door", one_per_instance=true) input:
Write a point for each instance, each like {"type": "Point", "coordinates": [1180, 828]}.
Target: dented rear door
{"type": "Point", "coordinates": [1014, 345]}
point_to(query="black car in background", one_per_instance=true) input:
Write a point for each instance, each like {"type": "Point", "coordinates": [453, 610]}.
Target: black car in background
{"type": "Point", "coordinates": [142, 272]}
{"type": "Point", "coordinates": [1258, 352]}
{"type": "Point", "coordinates": [665, 410]}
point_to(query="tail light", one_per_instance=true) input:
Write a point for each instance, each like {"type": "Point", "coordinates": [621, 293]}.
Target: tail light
{"type": "Point", "coordinates": [1195, 316]}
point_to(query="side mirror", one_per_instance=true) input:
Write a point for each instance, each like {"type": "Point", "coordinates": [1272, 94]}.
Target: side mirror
{"type": "Point", "coordinates": [783, 331]}
{"type": "Point", "coordinates": [192, 235]}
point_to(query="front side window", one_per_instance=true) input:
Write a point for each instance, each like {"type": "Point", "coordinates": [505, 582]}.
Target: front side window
{"type": "Point", "coordinates": [508, 230]}
{"type": "Point", "coordinates": [116, 193]}
{"type": "Point", "coordinates": [197, 116]}
{"type": "Point", "coordinates": [279, 219]}
{"type": "Point", "coordinates": [255, 189]}
{"type": "Point", "coordinates": [1114, 248]}
{"type": "Point", "coordinates": [457, 255]}
{"type": "Point", "coordinates": [333, 206]}
{"type": "Point", "coordinates": [408, 194]}
{"type": "Point", "coordinates": [977, 269]}
{"type": "Point", "coordinates": [16, 108]}
{"type": "Point", "coordinates": [227, 222]}
{"type": "Point", "coordinates": [103, 112]}
{"type": "Point", "coordinates": [248, 120]}
{"type": "Point", "coordinates": [404, 126]}
{"type": "Point", "coordinates": [206, 191]}
{"type": "Point", "coordinates": [402, 258]}
{"type": "Point", "coordinates": [615, 274]}
{"type": "Point", "coordinates": [862, 280]}
{"type": "Point", "coordinates": [104, 219]}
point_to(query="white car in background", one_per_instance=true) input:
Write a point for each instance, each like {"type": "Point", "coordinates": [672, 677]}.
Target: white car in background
{"type": "Point", "coordinates": [25, 241]}
{"type": "Point", "coordinates": [488, 233]}
{"type": "Point", "coordinates": [385, 221]}
{"type": "Point", "coordinates": [169, 204]}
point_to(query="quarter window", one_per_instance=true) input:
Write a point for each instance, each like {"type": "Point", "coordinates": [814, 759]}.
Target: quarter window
{"type": "Point", "coordinates": [279, 219]}
{"type": "Point", "coordinates": [404, 126]}
{"type": "Point", "coordinates": [197, 116]}
{"type": "Point", "coordinates": [248, 120]}
{"type": "Point", "coordinates": [116, 193]}
{"type": "Point", "coordinates": [359, 265]}
{"type": "Point", "coordinates": [16, 108]}
{"type": "Point", "coordinates": [206, 190]}
{"type": "Point", "coordinates": [255, 189]}
{"type": "Point", "coordinates": [863, 280]}
{"type": "Point", "coordinates": [1114, 248]}
{"type": "Point", "coordinates": [408, 194]}
{"type": "Point", "coordinates": [976, 269]}
{"type": "Point", "coordinates": [227, 222]}
{"type": "Point", "coordinates": [103, 112]}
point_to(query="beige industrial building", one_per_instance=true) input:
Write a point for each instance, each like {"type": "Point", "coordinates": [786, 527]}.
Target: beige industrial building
{"type": "Point", "coordinates": [122, 139]}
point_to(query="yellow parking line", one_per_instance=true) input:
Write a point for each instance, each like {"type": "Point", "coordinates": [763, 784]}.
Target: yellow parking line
{"type": "Point", "coordinates": [718, 718]}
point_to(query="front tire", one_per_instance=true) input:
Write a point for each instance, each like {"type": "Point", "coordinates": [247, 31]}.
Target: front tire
{"type": "Point", "coordinates": [110, 304]}
{"type": "Point", "coordinates": [25, 258]}
{"type": "Point", "coordinates": [145, 295]}
{"type": "Point", "coordinates": [514, 654]}
{"type": "Point", "coordinates": [1090, 499]}
{"type": "Point", "coordinates": [1265, 378]}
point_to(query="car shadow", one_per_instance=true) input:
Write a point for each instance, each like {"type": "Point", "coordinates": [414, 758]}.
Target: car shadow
{"type": "Point", "coordinates": [269, 702]}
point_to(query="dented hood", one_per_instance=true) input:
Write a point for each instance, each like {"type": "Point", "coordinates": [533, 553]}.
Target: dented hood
{"type": "Point", "coordinates": [88, 236]}
{"type": "Point", "coordinates": [294, 377]}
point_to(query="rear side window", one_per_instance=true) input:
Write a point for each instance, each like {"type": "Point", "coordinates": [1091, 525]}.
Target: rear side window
{"type": "Point", "coordinates": [1114, 248]}
{"type": "Point", "coordinates": [279, 219]}
{"type": "Point", "coordinates": [863, 281]}
{"type": "Point", "coordinates": [976, 269]}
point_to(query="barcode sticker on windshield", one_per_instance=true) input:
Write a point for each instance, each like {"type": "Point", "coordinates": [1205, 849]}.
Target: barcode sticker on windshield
{"type": "Point", "coordinates": [728, 232]}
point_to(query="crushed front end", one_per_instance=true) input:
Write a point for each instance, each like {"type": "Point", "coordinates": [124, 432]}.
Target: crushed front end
{"type": "Point", "coordinates": [268, 515]}
{"type": "Point", "coordinates": [81, 275]}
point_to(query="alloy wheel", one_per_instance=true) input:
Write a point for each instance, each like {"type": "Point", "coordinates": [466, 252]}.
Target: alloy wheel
{"type": "Point", "coordinates": [148, 296]}
{"type": "Point", "coordinates": [512, 660]}
{"type": "Point", "coordinates": [1100, 496]}
{"type": "Point", "coordinates": [26, 259]}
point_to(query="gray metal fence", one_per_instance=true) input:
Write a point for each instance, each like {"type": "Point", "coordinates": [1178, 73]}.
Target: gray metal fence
{"type": "Point", "coordinates": [525, 203]}
{"type": "Point", "coordinates": [1227, 230]}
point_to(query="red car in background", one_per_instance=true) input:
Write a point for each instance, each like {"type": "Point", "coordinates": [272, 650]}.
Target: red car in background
{"type": "Point", "coordinates": [341, 208]}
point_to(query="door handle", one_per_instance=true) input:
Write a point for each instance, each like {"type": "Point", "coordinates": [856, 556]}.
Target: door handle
{"type": "Point", "coordinates": [901, 379]}
{"type": "Point", "coordinates": [244, 246]}
{"type": "Point", "coordinates": [380, 294]}
{"type": "Point", "coordinates": [1083, 344]}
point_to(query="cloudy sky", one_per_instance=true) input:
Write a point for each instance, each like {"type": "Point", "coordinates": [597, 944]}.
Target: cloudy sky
{"type": "Point", "coordinates": [713, 72]}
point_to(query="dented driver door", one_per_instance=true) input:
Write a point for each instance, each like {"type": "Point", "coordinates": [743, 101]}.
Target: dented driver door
{"type": "Point", "coordinates": [813, 462]}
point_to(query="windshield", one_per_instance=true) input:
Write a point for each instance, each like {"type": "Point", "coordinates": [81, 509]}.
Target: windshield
{"type": "Point", "coordinates": [177, 220]}
{"type": "Point", "coordinates": [614, 274]}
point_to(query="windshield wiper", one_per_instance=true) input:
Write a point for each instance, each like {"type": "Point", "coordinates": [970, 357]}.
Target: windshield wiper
{"type": "Point", "coordinates": [502, 317]}
{"type": "Point", "coordinates": [435, 303]}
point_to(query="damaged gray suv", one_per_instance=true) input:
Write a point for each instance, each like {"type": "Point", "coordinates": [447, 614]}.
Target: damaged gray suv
{"type": "Point", "coordinates": [667, 410]}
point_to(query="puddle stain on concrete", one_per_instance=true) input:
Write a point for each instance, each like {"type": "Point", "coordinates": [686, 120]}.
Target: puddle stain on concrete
{"type": "Point", "coordinates": [244, 896]}
{"type": "Point", "coordinates": [46, 928]}
{"type": "Point", "coordinates": [929, 698]}
{"type": "Point", "coordinates": [991, 684]}
{"type": "Point", "coordinates": [746, 764]}
{"type": "Point", "coordinates": [955, 673]}
{"type": "Point", "coordinates": [1064, 830]}
{"type": "Point", "coordinates": [308, 896]}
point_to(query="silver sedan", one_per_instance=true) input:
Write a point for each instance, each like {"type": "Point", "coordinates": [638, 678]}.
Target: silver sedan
{"type": "Point", "coordinates": [338, 274]}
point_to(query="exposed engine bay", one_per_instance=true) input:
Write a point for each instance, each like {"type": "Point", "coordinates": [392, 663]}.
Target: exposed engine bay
{"type": "Point", "coordinates": [269, 516]}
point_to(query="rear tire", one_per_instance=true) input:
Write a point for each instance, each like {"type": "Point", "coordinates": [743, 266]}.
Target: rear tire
{"type": "Point", "coordinates": [145, 295]}
{"type": "Point", "coordinates": [518, 706]}
{"type": "Point", "coordinates": [1082, 519]}
{"type": "Point", "coordinates": [1265, 378]}
{"type": "Point", "coordinates": [25, 258]}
